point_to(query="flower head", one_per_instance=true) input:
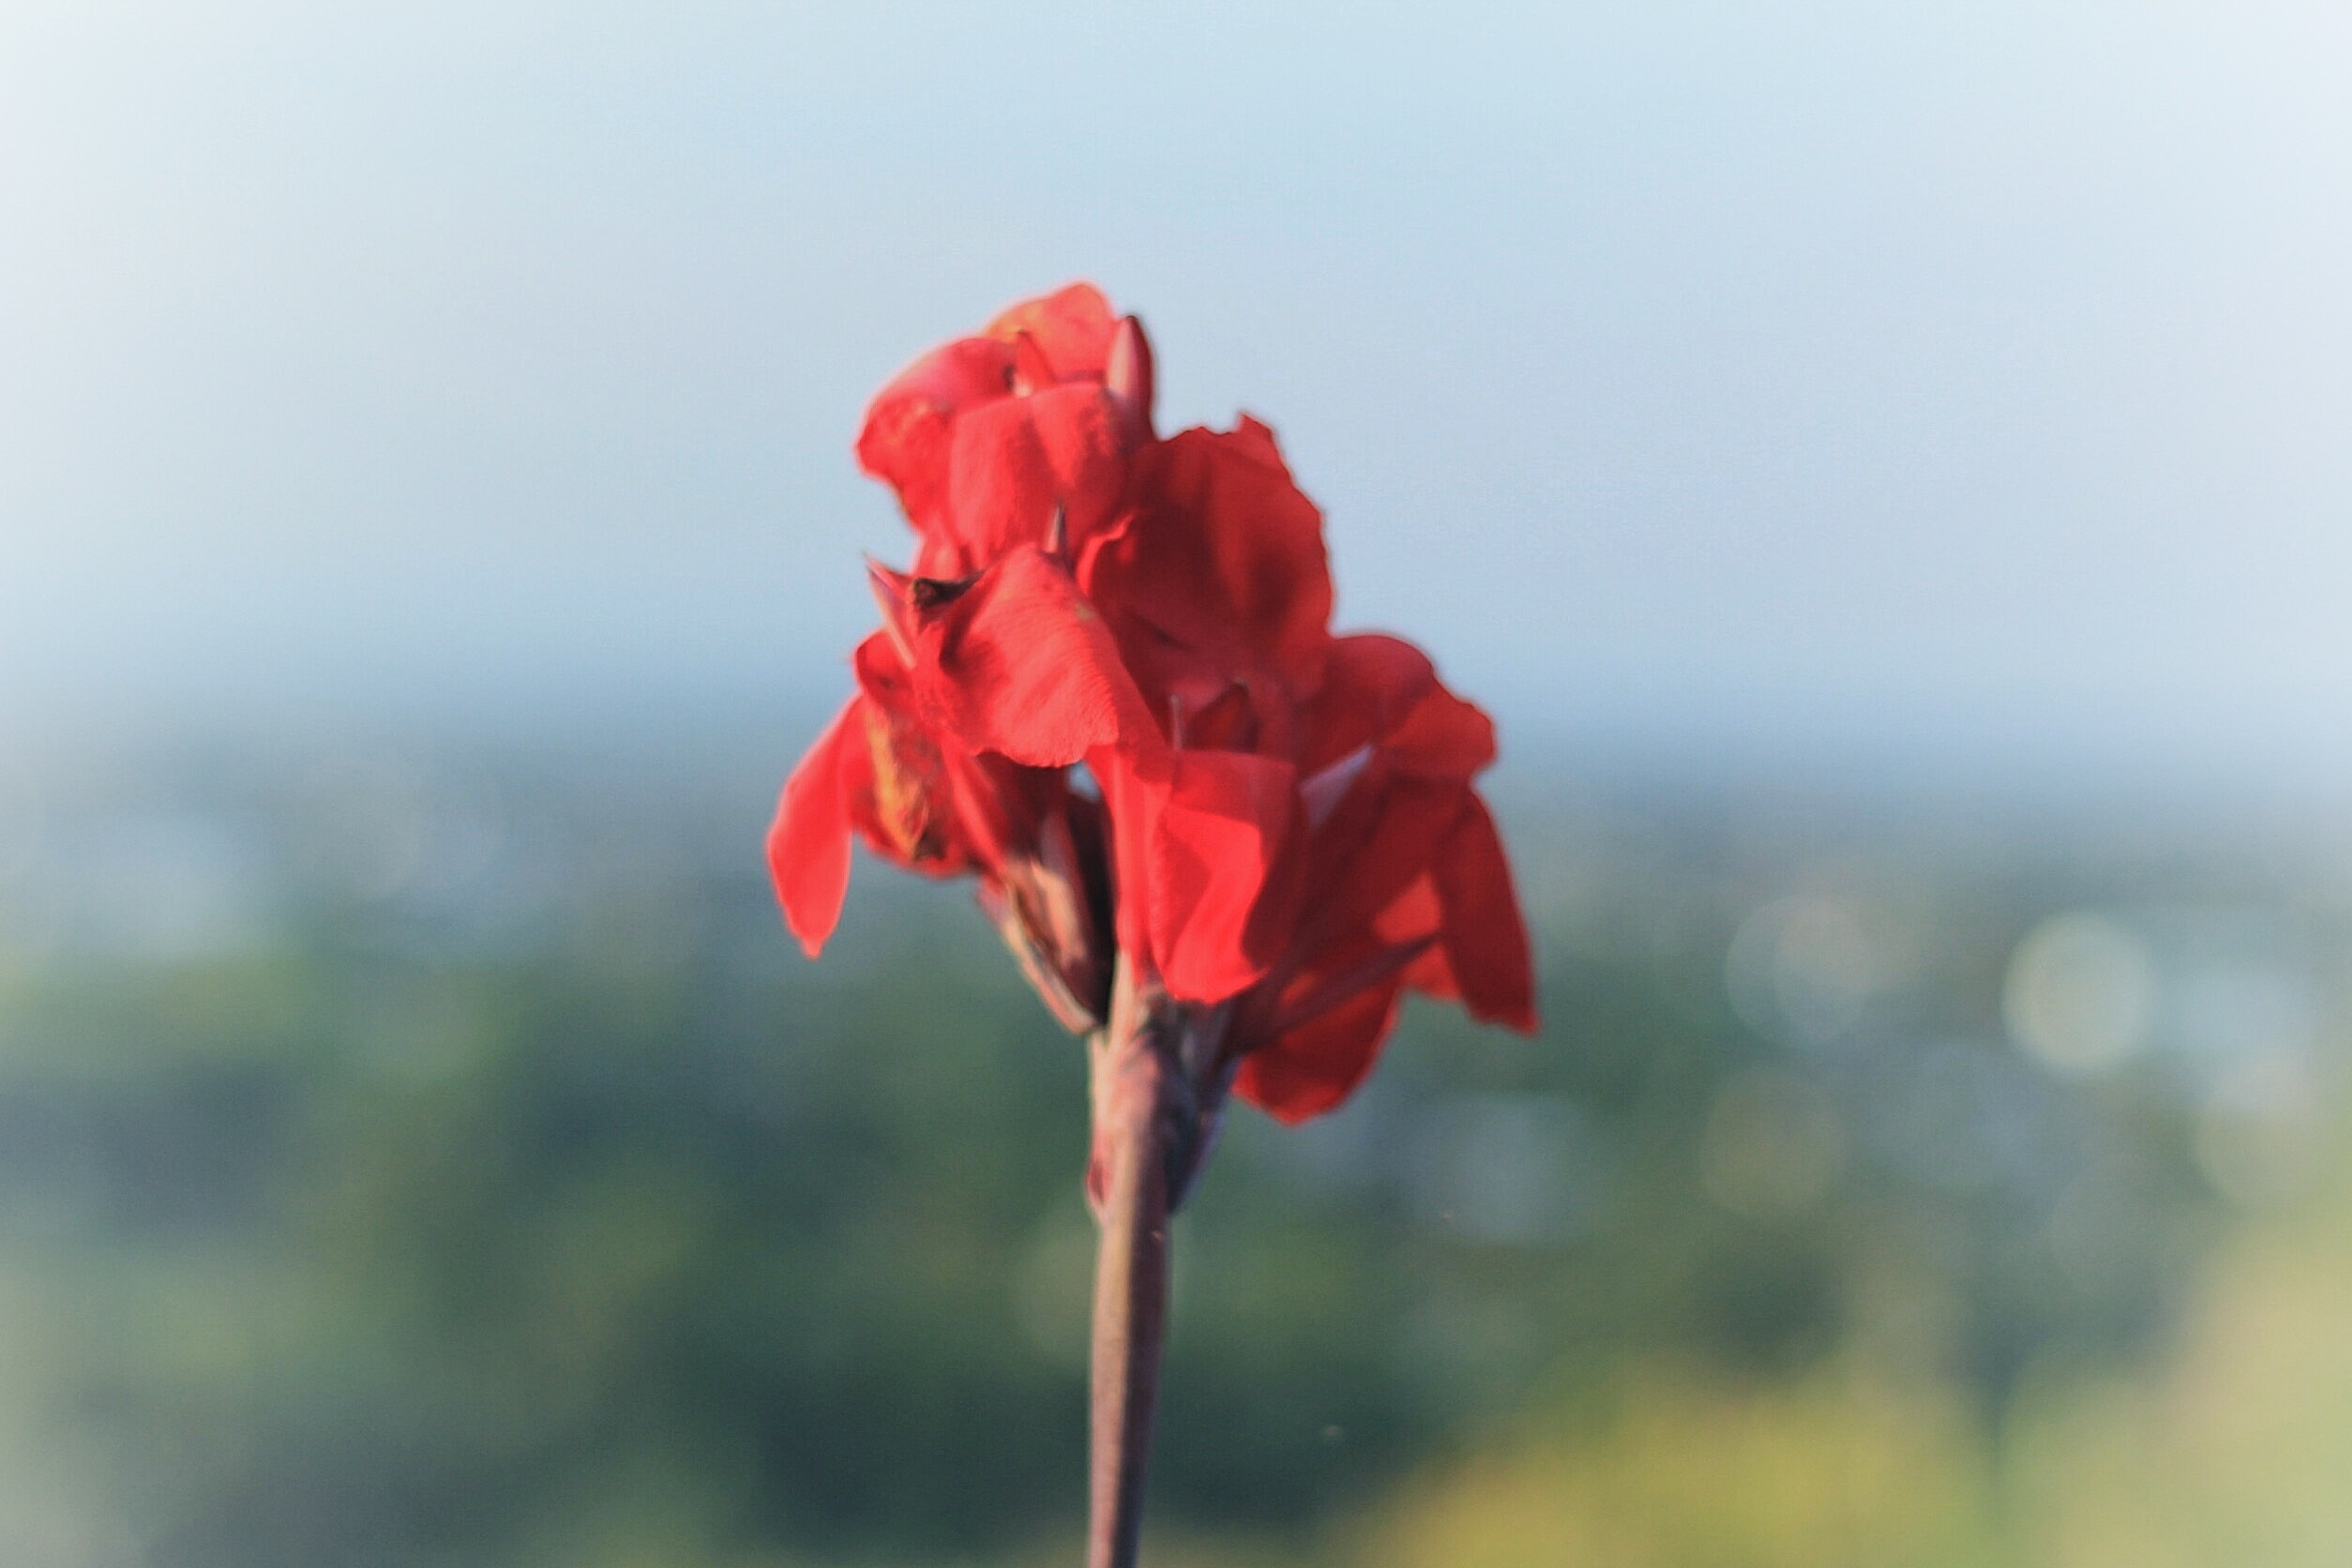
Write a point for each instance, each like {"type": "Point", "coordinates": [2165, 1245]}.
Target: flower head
{"type": "Point", "coordinates": [1108, 689]}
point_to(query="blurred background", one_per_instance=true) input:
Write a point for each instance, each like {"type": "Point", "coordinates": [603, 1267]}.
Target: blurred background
{"type": "Point", "coordinates": [1884, 469]}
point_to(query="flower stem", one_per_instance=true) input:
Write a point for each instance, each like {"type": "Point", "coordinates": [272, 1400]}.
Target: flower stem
{"type": "Point", "coordinates": [1135, 1091]}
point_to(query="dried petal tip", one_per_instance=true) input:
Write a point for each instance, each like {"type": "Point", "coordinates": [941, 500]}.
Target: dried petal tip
{"type": "Point", "coordinates": [929, 592]}
{"type": "Point", "coordinates": [888, 583]}
{"type": "Point", "coordinates": [890, 592]}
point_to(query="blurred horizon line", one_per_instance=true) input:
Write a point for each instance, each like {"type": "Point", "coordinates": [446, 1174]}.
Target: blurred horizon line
{"type": "Point", "coordinates": [1889, 754]}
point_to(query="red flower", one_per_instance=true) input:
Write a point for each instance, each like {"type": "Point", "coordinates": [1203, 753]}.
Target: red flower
{"type": "Point", "coordinates": [1222, 841]}
{"type": "Point", "coordinates": [1281, 835]}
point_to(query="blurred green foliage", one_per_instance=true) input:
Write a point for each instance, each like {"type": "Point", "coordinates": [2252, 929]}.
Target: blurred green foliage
{"type": "Point", "coordinates": [434, 1164]}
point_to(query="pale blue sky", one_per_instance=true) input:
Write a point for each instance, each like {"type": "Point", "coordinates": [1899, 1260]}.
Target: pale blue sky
{"type": "Point", "coordinates": [1934, 376]}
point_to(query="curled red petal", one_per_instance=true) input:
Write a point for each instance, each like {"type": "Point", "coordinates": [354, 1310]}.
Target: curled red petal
{"type": "Point", "coordinates": [1484, 958]}
{"type": "Point", "coordinates": [910, 426]}
{"type": "Point", "coordinates": [809, 842]}
{"type": "Point", "coordinates": [1442, 737]}
{"type": "Point", "coordinates": [1382, 691]}
{"type": "Point", "coordinates": [1371, 682]}
{"type": "Point", "coordinates": [1311, 1069]}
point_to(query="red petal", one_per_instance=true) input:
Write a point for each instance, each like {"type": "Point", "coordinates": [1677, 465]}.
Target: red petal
{"type": "Point", "coordinates": [1371, 684]}
{"type": "Point", "coordinates": [1314, 994]}
{"type": "Point", "coordinates": [1072, 327]}
{"type": "Point", "coordinates": [1000, 807]}
{"type": "Point", "coordinates": [1486, 941]}
{"type": "Point", "coordinates": [1013, 460]}
{"type": "Point", "coordinates": [1017, 663]}
{"type": "Point", "coordinates": [1444, 737]}
{"type": "Point", "coordinates": [1380, 840]}
{"type": "Point", "coordinates": [808, 843]}
{"type": "Point", "coordinates": [1313, 1067]}
{"type": "Point", "coordinates": [1222, 878]}
{"type": "Point", "coordinates": [910, 424]}
{"type": "Point", "coordinates": [1382, 691]}
{"type": "Point", "coordinates": [1224, 558]}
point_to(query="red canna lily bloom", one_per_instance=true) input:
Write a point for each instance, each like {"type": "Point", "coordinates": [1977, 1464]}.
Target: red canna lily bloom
{"type": "Point", "coordinates": [1222, 841]}
{"type": "Point", "coordinates": [1285, 824]}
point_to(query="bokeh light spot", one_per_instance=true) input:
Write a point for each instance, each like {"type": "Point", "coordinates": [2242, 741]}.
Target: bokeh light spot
{"type": "Point", "coordinates": [2080, 994]}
